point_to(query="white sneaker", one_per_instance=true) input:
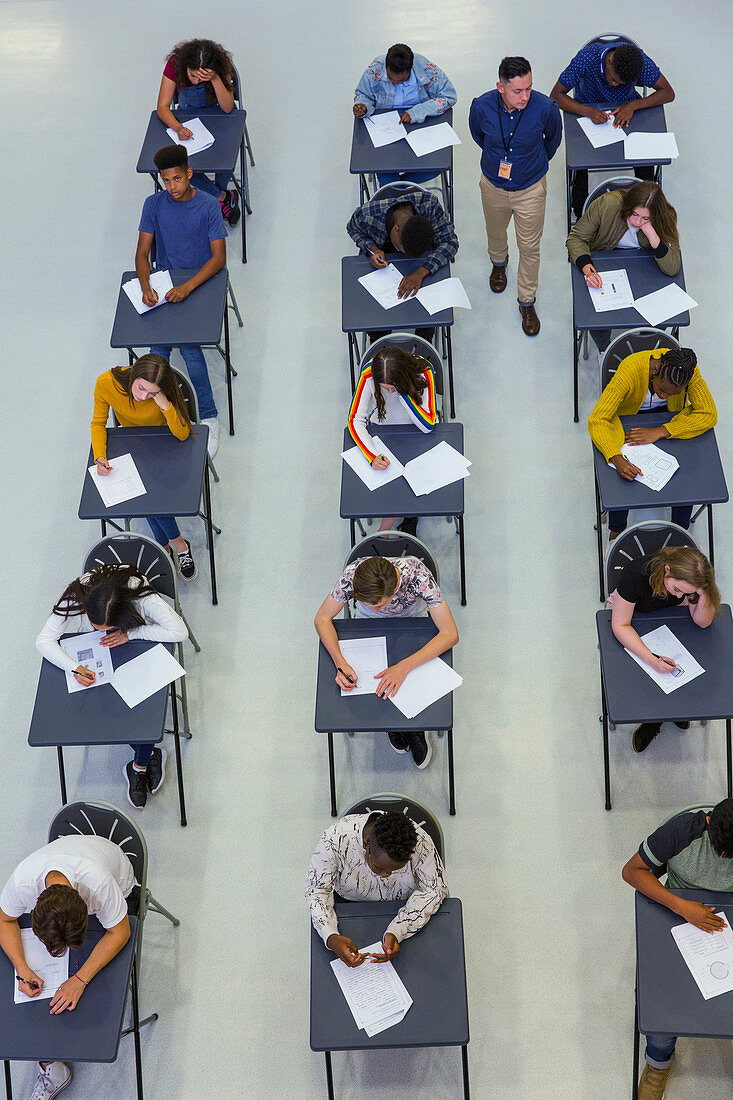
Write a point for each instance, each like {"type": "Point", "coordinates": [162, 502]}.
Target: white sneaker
{"type": "Point", "coordinates": [212, 423]}
{"type": "Point", "coordinates": [51, 1080]}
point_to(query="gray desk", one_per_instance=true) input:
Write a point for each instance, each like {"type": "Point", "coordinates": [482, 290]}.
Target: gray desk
{"type": "Point", "coordinates": [99, 716]}
{"type": "Point", "coordinates": [92, 1032]}
{"type": "Point", "coordinates": [668, 1001]}
{"type": "Point", "coordinates": [629, 695]}
{"type": "Point", "coordinates": [361, 313]}
{"type": "Point", "coordinates": [699, 480]}
{"type": "Point", "coordinates": [580, 154]}
{"type": "Point", "coordinates": [399, 157]}
{"type": "Point", "coordinates": [369, 713]}
{"type": "Point", "coordinates": [175, 473]}
{"type": "Point", "coordinates": [432, 965]}
{"type": "Point", "coordinates": [195, 322]}
{"type": "Point", "coordinates": [222, 156]}
{"type": "Point", "coordinates": [644, 278]}
{"type": "Point", "coordinates": [396, 498]}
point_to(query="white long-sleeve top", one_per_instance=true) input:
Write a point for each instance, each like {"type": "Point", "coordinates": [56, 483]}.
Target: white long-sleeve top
{"type": "Point", "coordinates": [162, 624]}
{"type": "Point", "coordinates": [339, 864]}
{"type": "Point", "coordinates": [398, 410]}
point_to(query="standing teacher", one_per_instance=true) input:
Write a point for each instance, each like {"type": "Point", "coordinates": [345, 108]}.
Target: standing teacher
{"type": "Point", "coordinates": [519, 132]}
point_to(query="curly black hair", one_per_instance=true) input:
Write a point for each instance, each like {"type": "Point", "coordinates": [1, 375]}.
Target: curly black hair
{"type": "Point", "coordinates": [627, 62]}
{"type": "Point", "coordinates": [678, 366]}
{"type": "Point", "coordinates": [395, 834]}
{"type": "Point", "coordinates": [418, 236]}
{"type": "Point", "coordinates": [720, 828]}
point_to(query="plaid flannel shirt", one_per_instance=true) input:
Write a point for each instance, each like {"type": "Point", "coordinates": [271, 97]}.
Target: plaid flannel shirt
{"type": "Point", "coordinates": [368, 226]}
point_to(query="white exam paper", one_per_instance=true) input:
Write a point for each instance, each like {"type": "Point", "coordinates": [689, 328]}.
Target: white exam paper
{"type": "Point", "coordinates": [141, 677]}
{"type": "Point", "coordinates": [86, 650]}
{"type": "Point", "coordinates": [428, 139]}
{"type": "Point", "coordinates": [440, 466]}
{"type": "Point", "coordinates": [385, 129]}
{"type": "Point", "coordinates": [425, 685]}
{"type": "Point", "coordinates": [367, 657]}
{"type": "Point", "coordinates": [662, 304]}
{"type": "Point", "coordinates": [122, 483]}
{"type": "Point", "coordinates": [382, 284]}
{"type": "Point", "coordinates": [615, 292]}
{"type": "Point", "coordinates": [161, 283]}
{"type": "Point", "coordinates": [605, 133]}
{"type": "Point", "coordinates": [374, 992]}
{"type": "Point", "coordinates": [444, 294]}
{"type": "Point", "coordinates": [640, 146]}
{"type": "Point", "coordinates": [373, 479]}
{"type": "Point", "coordinates": [656, 466]}
{"type": "Point", "coordinates": [202, 138]}
{"type": "Point", "coordinates": [709, 956]}
{"type": "Point", "coordinates": [663, 642]}
{"type": "Point", "coordinates": [52, 971]}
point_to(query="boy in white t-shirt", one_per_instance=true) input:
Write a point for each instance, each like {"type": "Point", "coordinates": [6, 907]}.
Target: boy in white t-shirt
{"type": "Point", "coordinates": [61, 884]}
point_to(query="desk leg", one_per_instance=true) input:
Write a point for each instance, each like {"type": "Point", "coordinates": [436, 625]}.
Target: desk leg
{"type": "Point", "coordinates": [729, 758]}
{"type": "Point", "coordinates": [62, 774]}
{"type": "Point", "coordinates": [136, 1031]}
{"type": "Point", "coordinates": [154, 177]}
{"type": "Point", "coordinates": [449, 347]}
{"type": "Point", "coordinates": [462, 552]}
{"type": "Point", "coordinates": [329, 1075]}
{"type": "Point", "coordinates": [104, 529]}
{"type": "Point", "coordinates": [243, 189]}
{"type": "Point", "coordinates": [210, 533]}
{"type": "Point", "coordinates": [711, 541]}
{"type": "Point", "coordinates": [635, 1061]}
{"type": "Point", "coordinates": [353, 354]}
{"type": "Point", "coordinates": [332, 774]}
{"type": "Point", "coordinates": [466, 1087]}
{"type": "Point", "coordinates": [599, 541]}
{"type": "Point", "coordinates": [606, 762]}
{"type": "Point", "coordinates": [228, 365]}
{"type": "Point", "coordinates": [177, 742]}
{"type": "Point", "coordinates": [451, 777]}
{"type": "Point", "coordinates": [8, 1082]}
{"type": "Point", "coordinates": [577, 339]}
{"type": "Point", "coordinates": [352, 533]}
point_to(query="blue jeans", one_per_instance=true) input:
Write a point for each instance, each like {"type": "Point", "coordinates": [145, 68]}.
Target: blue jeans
{"type": "Point", "coordinates": [212, 187]}
{"type": "Point", "coordinates": [199, 375]}
{"type": "Point", "coordinates": [660, 1050]}
{"type": "Point", "coordinates": [164, 528]}
{"type": "Point", "coordinates": [142, 754]}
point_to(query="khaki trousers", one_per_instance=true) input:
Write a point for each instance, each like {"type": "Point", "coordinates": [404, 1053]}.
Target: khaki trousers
{"type": "Point", "coordinates": [528, 208]}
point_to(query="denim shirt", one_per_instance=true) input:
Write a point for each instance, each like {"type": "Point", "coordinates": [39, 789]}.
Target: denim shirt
{"type": "Point", "coordinates": [376, 91]}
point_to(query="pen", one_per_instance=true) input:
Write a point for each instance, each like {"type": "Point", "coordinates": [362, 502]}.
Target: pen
{"type": "Point", "coordinates": [33, 985]}
{"type": "Point", "coordinates": [661, 658]}
{"type": "Point", "coordinates": [376, 257]}
{"type": "Point", "coordinates": [344, 674]}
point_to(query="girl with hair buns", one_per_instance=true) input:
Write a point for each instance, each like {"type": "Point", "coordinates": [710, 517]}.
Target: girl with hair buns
{"type": "Point", "coordinates": [389, 587]}
{"type": "Point", "coordinates": [146, 394]}
{"type": "Point", "coordinates": [674, 575]}
{"type": "Point", "coordinates": [646, 382]}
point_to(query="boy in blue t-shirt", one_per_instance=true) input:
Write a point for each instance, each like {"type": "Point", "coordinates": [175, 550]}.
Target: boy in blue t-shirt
{"type": "Point", "coordinates": [188, 229]}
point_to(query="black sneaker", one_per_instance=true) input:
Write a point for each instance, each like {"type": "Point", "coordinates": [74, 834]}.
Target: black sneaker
{"type": "Point", "coordinates": [420, 749]}
{"type": "Point", "coordinates": [186, 564]}
{"type": "Point", "coordinates": [399, 741]}
{"type": "Point", "coordinates": [137, 786]}
{"type": "Point", "coordinates": [408, 525]}
{"type": "Point", "coordinates": [230, 207]}
{"type": "Point", "coordinates": [682, 725]}
{"type": "Point", "coordinates": [156, 769]}
{"type": "Point", "coordinates": [644, 734]}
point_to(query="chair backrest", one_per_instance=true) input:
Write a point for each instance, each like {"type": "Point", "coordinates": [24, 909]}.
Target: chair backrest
{"type": "Point", "coordinates": [626, 343]}
{"type": "Point", "coordinates": [639, 541]}
{"type": "Point", "coordinates": [140, 551]}
{"type": "Point", "coordinates": [394, 544]}
{"type": "Point", "coordinates": [616, 183]}
{"type": "Point", "coordinates": [689, 810]}
{"type": "Point", "coordinates": [187, 393]}
{"type": "Point", "coordinates": [398, 190]}
{"type": "Point", "coordinates": [415, 345]}
{"type": "Point", "coordinates": [608, 38]}
{"type": "Point", "coordinates": [401, 804]}
{"type": "Point", "coordinates": [104, 819]}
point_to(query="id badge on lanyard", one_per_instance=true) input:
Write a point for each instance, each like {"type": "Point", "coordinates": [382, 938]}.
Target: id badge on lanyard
{"type": "Point", "coordinates": [505, 165]}
{"type": "Point", "coordinates": [505, 169]}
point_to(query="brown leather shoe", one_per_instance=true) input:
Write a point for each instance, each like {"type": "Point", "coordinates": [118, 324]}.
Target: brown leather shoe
{"type": "Point", "coordinates": [530, 320]}
{"type": "Point", "coordinates": [653, 1083]}
{"type": "Point", "coordinates": [497, 279]}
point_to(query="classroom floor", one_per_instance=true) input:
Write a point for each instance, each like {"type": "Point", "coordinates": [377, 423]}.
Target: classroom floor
{"type": "Point", "coordinates": [531, 852]}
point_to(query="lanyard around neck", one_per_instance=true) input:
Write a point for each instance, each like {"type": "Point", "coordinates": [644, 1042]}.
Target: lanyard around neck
{"type": "Point", "coordinates": [506, 142]}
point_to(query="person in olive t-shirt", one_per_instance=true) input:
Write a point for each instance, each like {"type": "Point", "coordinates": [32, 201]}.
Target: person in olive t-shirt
{"type": "Point", "coordinates": [674, 575]}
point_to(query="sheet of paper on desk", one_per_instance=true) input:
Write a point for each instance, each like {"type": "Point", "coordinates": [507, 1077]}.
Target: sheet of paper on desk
{"type": "Point", "coordinates": [663, 304]}
{"type": "Point", "coordinates": [52, 972]}
{"type": "Point", "coordinates": [161, 283]}
{"type": "Point", "coordinates": [445, 294]}
{"type": "Point", "coordinates": [122, 483]}
{"type": "Point", "coordinates": [604, 133]}
{"type": "Point", "coordinates": [425, 685]}
{"type": "Point", "coordinates": [640, 146]}
{"type": "Point", "coordinates": [441, 465]}
{"type": "Point", "coordinates": [374, 992]}
{"type": "Point", "coordinates": [86, 650]}
{"type": "Point", "coordinates": [656, 465]}
{"type": "Point", "coordinates": [709, 956]}
{"type": "Point", "coordinates": [141, 677]}
{"type": "Point", "coordinates": [202, 138]}
{"type": "Point", "coordinates": [382, 284]}
{"type": "Point", "coordinates": [614, 294]}
{"type": "Point", "coordinates": [373, 479]}
{"type": "Point", "coordinates": [663, 642]}
{"type": "Point", "coordinates": [367, 657]}
{"type": "Point", "coordinates": [428, 139]}
{"type": "Point", "coordinates": [385, 129]}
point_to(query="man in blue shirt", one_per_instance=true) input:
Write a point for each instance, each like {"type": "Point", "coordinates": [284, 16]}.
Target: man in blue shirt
{"type": "Point", "coordinates": [188, 229]}
{"type": "Point", "coordinates": [606, 73]}
{"type": "Point", "coordinates": [519, 131]}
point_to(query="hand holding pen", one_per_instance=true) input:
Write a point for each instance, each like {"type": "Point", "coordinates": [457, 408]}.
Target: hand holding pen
{"type": "Point", "coordinates": [378, 259]}
{"type": "Point", "coordinates": [346, 678]}
{"type": "Point", "coordinates": [30, 985]}
{"type": "Point", "coordinates": [84, 676]}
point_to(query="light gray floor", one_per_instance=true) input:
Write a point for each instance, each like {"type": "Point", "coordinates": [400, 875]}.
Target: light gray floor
{"type": "Point", "coordinates": [533, 855]}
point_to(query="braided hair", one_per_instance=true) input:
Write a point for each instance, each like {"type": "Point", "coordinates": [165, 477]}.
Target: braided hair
{"type": "Point", "coordinates": [677, 366]}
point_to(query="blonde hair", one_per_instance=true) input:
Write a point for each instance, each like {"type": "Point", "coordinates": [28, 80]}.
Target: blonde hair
{"type": "Point", "coordinates": [375, 579]}
{"type": "Point", "coordinates": [688, 565]}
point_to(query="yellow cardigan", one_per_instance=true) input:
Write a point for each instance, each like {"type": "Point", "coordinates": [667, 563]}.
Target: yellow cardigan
{"type": "Point", "coordinates": [625, 394]}
{"type": "Point", "coordinates": [135, 414]}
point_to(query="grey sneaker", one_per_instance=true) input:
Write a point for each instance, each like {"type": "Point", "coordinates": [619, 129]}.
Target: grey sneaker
{"type": "Point", "coordinates": [156, 769]}
{"type": "Point", "coordinates": [51, 1080]}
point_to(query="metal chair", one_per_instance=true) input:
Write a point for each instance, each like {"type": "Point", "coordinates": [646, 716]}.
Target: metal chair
{"type": "Point", "coordinates": [401, 804]}
{"type": "Point", "coordinates": [631, 340]}
{"type": "Point", "coordinates": [615, 183]}
{"type": "Point", "coordinates": [639, 541]}
{"type": "Point", "coordinates": [608, 38]}
{"type": "Point", "coordinates": [415, 345]}
{"type": "Point", "coordinates": [689, 810]}
{"type": "Point", "coordinates": [399, 188]}
{"type": "Point", "coordinates": [144, 553]}
{"type": "Point", "coordinates": [391, 544]}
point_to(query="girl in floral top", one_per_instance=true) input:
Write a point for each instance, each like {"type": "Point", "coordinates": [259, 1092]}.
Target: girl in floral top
{"type": "Point", "coordinates": [392, 587]}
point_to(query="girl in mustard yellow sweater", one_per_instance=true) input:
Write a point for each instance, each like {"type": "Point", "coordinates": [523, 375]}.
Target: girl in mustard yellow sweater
{"type": "Point", "coordinates": [144, 395]}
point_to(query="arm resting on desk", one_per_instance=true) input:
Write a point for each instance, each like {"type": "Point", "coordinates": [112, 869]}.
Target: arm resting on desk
{"type": "Point", "coordinates": [571, 106]}
{"type": "Point", "coordinates": [100, 416]}
{"type": "Point", "coordinates": [68, 994]}
{"type": "Point", "coordinates": [47, 642]}
{"type": "Point", "coordinates": [326, 631]}
{"type": "Point", "coordinates": [624, 632]}
{"type": "Point", "coordinates": [211, 267]}
{"type": "Point", "coordinates": [320, 884]}
{"type": "Point", "coordinates": [698, 415]}
{"type": "Point", "coordinates": [162, 623]}
{"type": "Point", "coordinates": [428, 897]}
{"type": "Point", "coordinates": [638, 875]}
{"type": "Point", "coordinates": [12, 944]}
{"type": "Point", "coordinates": [142, 263]}
{"type": "Point", "coordinates": [166, 94]}
{"type": "Point", "coordinates": [444, 640]}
